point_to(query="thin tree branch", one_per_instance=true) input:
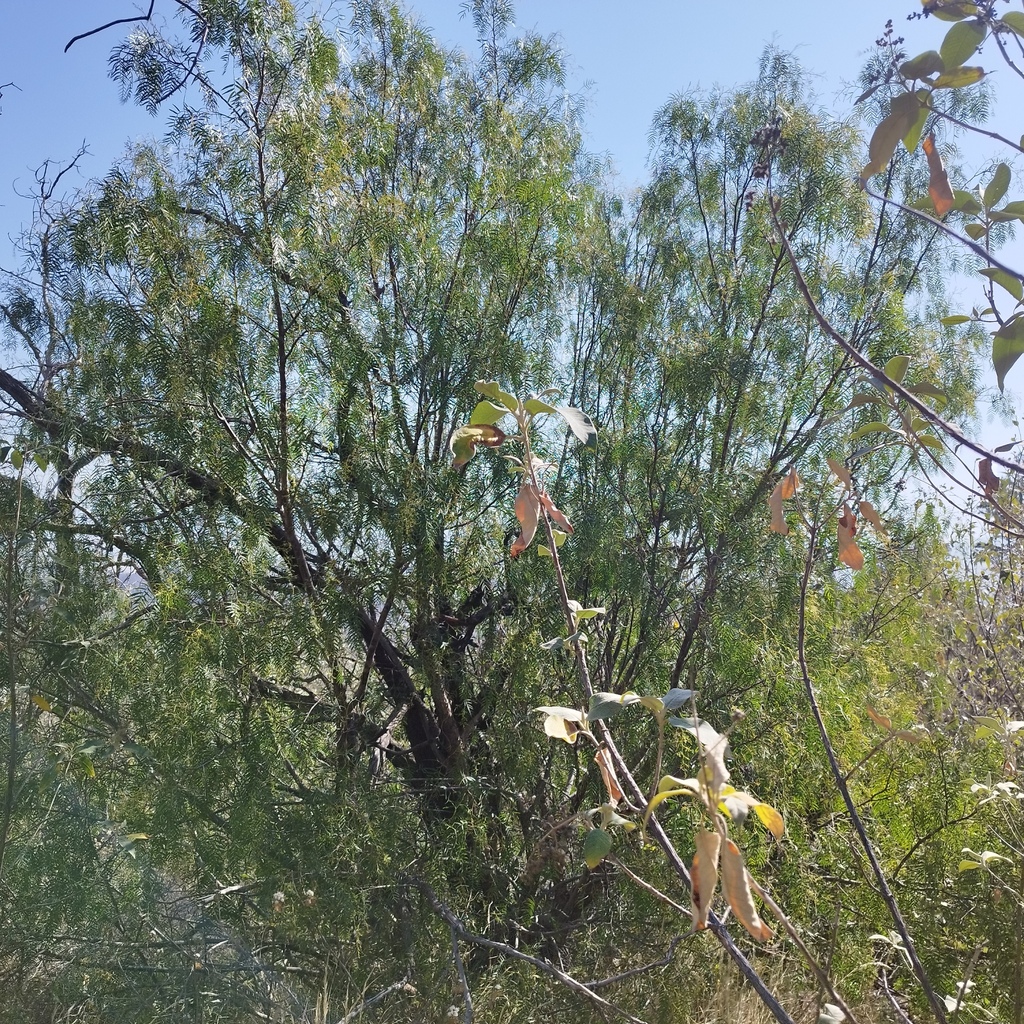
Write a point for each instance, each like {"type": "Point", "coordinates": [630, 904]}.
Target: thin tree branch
{"type": "Point", "coordinates": [148, 16]}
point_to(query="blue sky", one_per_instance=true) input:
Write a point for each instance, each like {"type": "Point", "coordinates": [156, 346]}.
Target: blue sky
{"type": "Point", "coordinates": [627, 65]}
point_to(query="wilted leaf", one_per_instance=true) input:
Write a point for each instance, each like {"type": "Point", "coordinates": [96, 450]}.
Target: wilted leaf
{"type": "Point", "coordinates": [790, 484]}
{"type": "Point", "coordinates": [715, 748]}
{"type": "Point", "coordinates": [959, 78]}
{"type": "Point", "coordinates": [988, 479]}
{"type": "Point", "coordinates": [528, 513]}
{"type": "Point", "coordinates": [938, 182]}
{"type": "Point", "coordinates": [580, 424]}
{"type": "Point", "coordinates": [996, 188]}
{"type": "Point", "coordinates": [736, 886]}
{"type": "Point", "coordinates": [830, 1014]}
{"type": "Point", "coordinates": [880, 720]}
{"type": "Point", "coordinates": [841, 472]}
{"type": "Point", "coordinates": [867, 511]}
{"type": "Point", "coordinates": [960, 43]}
{"type": "Point", "coordinates": [561, 723]}
{"type": "Point", "coordinates": [704, 876]}
{"type": "Point", "coordinates": [849, 553]}
{"type": "Point", "coordinates": [597, 846]}
{"type": "Point", "coordinates": [778, 523]}
{"type": "Point", "coordinates": [1007, 346]}
{"type": "Point", "coordinates": [465, 440]}
{"type": "Point", "coordinates": [611, 783]}
{"type": "Point", "coordinates": [555, 514]}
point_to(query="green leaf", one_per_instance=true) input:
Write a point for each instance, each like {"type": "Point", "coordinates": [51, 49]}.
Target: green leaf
{"type": "Point", "coordinates": [1014, 209]}
{"type": "Point", "coordinates": [923, 65]}
{"type": "Point", "coordinates": [930, 442]}
{"type": "Point", "coordinates": [490, 389]}
{"type": "Point", "coordinates": [605, 705]}
{"type": "Point", "coordinates": [961, 42]}
{"type": "Point", "coordinates": [580, 424]}
{"type": "Point", "coordinates": [996, 188]}
{"type": "Point", "coordinates": [1012, 284]}
{"type": "Point", "coordinates": [596, 847]}
{"type": "Point", "coordinates": [959, 78]}
{"type": "Point", "coordinates": [677, 698]}
{"type": "Point", "coordinates": [952, 321]}
{"type": "Point", "coordinates": [17, 459]}
{"type": "Point", "coordinates": [896, 368]}
{"type": "Point", "coordinates": [913, 136]}
{"type": "Point", "coordinates": [976, 231]}
{"type": "Point", "coordinates": [875, 427]}
{"type": "Point", "coordinates": [487, 413]}
{"type": "Point", "coordinates": [1007, 347]}
{"type": "Point", "coordinates": [534, 406]}
{"type": "Point", "coordinates": [952, 10]}
{"type": "Point", "coordinates": [929, 390]}
{"type": "Point", "coordinates": [966, 202]}
{"type": "Point", "coordinates": [1014, 20]}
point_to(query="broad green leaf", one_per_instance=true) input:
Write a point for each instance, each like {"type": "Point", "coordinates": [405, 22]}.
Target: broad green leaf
{"type": "Point", "coordinates": [1014, 20]}
{"type": "Point", "coordinates": [605, 705]}
{"type": "Point", "coordinates": [863, 398]}
{"type": "Point", "coordinates": [1007, 281]}
{"type": "Point", "coordinates": [923, 65]}
{"type": "Point", "coordinates": [465, 440]}
{"type": "Point", "coordinates": [896, 368]}
{"type": "Point", "coordinates": [41, 702]}
{"type": "Point", "coordinates": [587, 613]}
{"type": "Point", "coordinates": [976, 231]}
{"type": "Point", "coordinates": [961, 42]}
{"type": "Point", "coordinates": [959, 78]}
{"type": "Point", "coordinates": [554, 644]}
{"type": "Point", "coordinates": [913, 136]}
{"type": "Point", "coordinates": [490, 389]}
{"type": "Point", "coordinates": [996, 188]}
{"type": "Point", "coordinates": [17, 459]}
{"type": "Point", "coordinates": [534, 406]}
{"type": "Point", "coordinates": [580, 424]}
{"type": "Point", "coordinates": [1016, 208]}
{"type": "Point", "coordinates": [875, 427]}
{"type": "Point", "coordinates": [966, 202]}
{"type": "Point", "coordinates": [1007, 347]}
{"type": "Point", "coordinates": [40, 460]}
{"type": "Point", "coordinates": [596, 847]}
{"type": "Point", "coordinates": [951, 10]}
{"type": "Point", "coordinates": [487, 412]}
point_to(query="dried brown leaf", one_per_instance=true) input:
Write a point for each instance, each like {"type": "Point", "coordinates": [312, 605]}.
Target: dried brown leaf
{"type": "Point", "coordinates": [849, 553]}
{"type": "Point", "coordinates": [938, 181]}
{"type": "Point", "coordinates": [988, 479]}
{"type": "Point", "coordinates": [704, 877]}
{"type": "Point", "coordinates": [778, 523]}
{"type": "Point", "coordinates": [868, 512]}
{"type": "Point", "coordinates": [611, 784]}
{"type": "Point", "coordinates": [790, 484]}
{"type": "Point", "coordinates": [842, 472]}
{"type": "Point", "coordinates": [556, 515]}
{"type": "Point", "coordinates": [528, 513]}
{"type": "Point", "coordinates": [736, 886]}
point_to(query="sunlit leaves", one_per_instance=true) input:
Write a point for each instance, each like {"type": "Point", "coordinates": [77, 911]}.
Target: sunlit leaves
{"type": "Point", "coordinates": [487, 412]}
{"type": "Point", "coordinates": [986, 859]}
{"type": "Point", "coordinates": [922, 66]}
{"type": "Point", "coordinates": [580, 424]}
{"type": "Point", "coordinates": [465, 439]}
{"type": "Point", "coordinates": [890, 132]}
{"type": "Point", "coordinates": [1008, 282]}
{"type": "Point", "coordinates": [959, 78]}
{"type": "Point", "coordinates": [490, 389]}
{"type": "Point", "coordinates": [562, 723]}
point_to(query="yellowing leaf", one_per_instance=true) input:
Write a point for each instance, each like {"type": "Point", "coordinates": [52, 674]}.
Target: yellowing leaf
{"type": "Point", "coordinates": [527, 512]}
{"type": "Point", "coordinates": [41, 702]}
{"type": "Point", "coordinates": [849, 553]}
{"type": "Point", "coordinates": [670, 787]}
{"type": "Point", "coordinates": [465, 439]}
{"type": "Point", "coordinates": [736, 886]}
{"type": "Point", "coordinates": [880, 720]}
{"type": "Point", "coordinates": [939, 189]}
{"type": "Point", "coordinates": [704, 876]}
{"type": "Point", "coordinates": [841, 472]}
{"type": "Point", "coordinates": [771, 819]}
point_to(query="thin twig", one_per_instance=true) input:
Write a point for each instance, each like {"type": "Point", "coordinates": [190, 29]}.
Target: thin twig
{"type": "Point", "coordinates": [460, 967]}
{"type": "Point", "coordinates": [402, 983]}
{"type": "Point", "coordinates": [148, 16]}
{"type": "Point", "coordinates": [510, 951]}
{"type": "Point", "coordinates": [883, 980]}
{"type": "Point", "coordinates": [663, 962]}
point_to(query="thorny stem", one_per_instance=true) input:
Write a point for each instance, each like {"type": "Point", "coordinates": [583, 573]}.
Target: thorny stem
{"type": "Point", "coordinates": [938, 1008]}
